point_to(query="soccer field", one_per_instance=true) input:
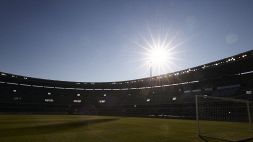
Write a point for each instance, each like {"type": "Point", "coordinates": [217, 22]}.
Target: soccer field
{"type": "Point", "coordinates": [78, 128]}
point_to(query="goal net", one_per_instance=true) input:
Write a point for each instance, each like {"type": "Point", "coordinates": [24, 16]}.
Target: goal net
{"type": "Point", "coordinates": [223, 118]}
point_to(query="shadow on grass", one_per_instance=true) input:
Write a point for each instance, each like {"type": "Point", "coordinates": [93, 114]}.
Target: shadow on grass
{"type": "Point", "coordinates": [213, 139]}
{"type": "Point", "coordinates": [203, 138]}
{"type": "Point", "coordinates": [50, 128]}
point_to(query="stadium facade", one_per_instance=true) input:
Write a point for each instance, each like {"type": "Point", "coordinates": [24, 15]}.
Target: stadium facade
{"type": "Point", "coordinates": [168, 95]}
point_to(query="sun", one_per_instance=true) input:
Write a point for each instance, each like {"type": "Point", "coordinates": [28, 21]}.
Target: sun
{"type": "Point", "coordinates": [158, 56]}
{"type": "Point", "coordinates": [158, 52]}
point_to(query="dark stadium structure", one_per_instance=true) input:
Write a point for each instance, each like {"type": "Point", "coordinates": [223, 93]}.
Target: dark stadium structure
{"type": "Point", "coordinates": [168, 95]}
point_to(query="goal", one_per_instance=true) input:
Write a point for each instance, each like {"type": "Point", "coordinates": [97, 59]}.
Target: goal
{"type": "Point", "coordinates": [222, 118]}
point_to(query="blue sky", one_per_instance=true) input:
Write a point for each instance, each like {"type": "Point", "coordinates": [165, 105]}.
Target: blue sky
{"type": "Point", "coordinates": [96, 40]}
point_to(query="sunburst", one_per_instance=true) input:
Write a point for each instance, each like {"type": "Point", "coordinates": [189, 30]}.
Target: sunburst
{"type": "Point", "coordinates": [159, 52]}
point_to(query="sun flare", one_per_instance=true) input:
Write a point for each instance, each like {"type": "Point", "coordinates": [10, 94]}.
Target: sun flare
{"type": "Point", "coordinates": [158, 51]}
{"type": "Point", "coordinates": [158, 56]}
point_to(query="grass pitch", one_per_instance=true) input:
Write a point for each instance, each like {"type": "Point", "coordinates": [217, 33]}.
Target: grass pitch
{"type": "Point", "coordinates": [78, 128]}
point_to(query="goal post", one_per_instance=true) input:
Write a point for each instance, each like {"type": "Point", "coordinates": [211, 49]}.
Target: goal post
{"type": "Point", "coordinates": [223, 118]}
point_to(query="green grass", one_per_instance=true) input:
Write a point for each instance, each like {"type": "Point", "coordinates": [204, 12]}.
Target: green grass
{"type": "Point", "coordinates": [78, 128]}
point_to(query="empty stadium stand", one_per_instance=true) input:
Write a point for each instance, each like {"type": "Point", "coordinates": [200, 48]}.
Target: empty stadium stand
{"type": "Point", "coordinates": [167, 95]}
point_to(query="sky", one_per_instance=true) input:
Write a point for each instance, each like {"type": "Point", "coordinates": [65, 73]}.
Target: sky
{"type": "Point", "coordinates": [101, 40]}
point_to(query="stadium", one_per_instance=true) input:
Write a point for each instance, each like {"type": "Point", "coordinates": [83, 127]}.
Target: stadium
{"type": "Point", "coordinates": [171, 96]}
{"type": "Point", "coordinates": [126, 71]}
